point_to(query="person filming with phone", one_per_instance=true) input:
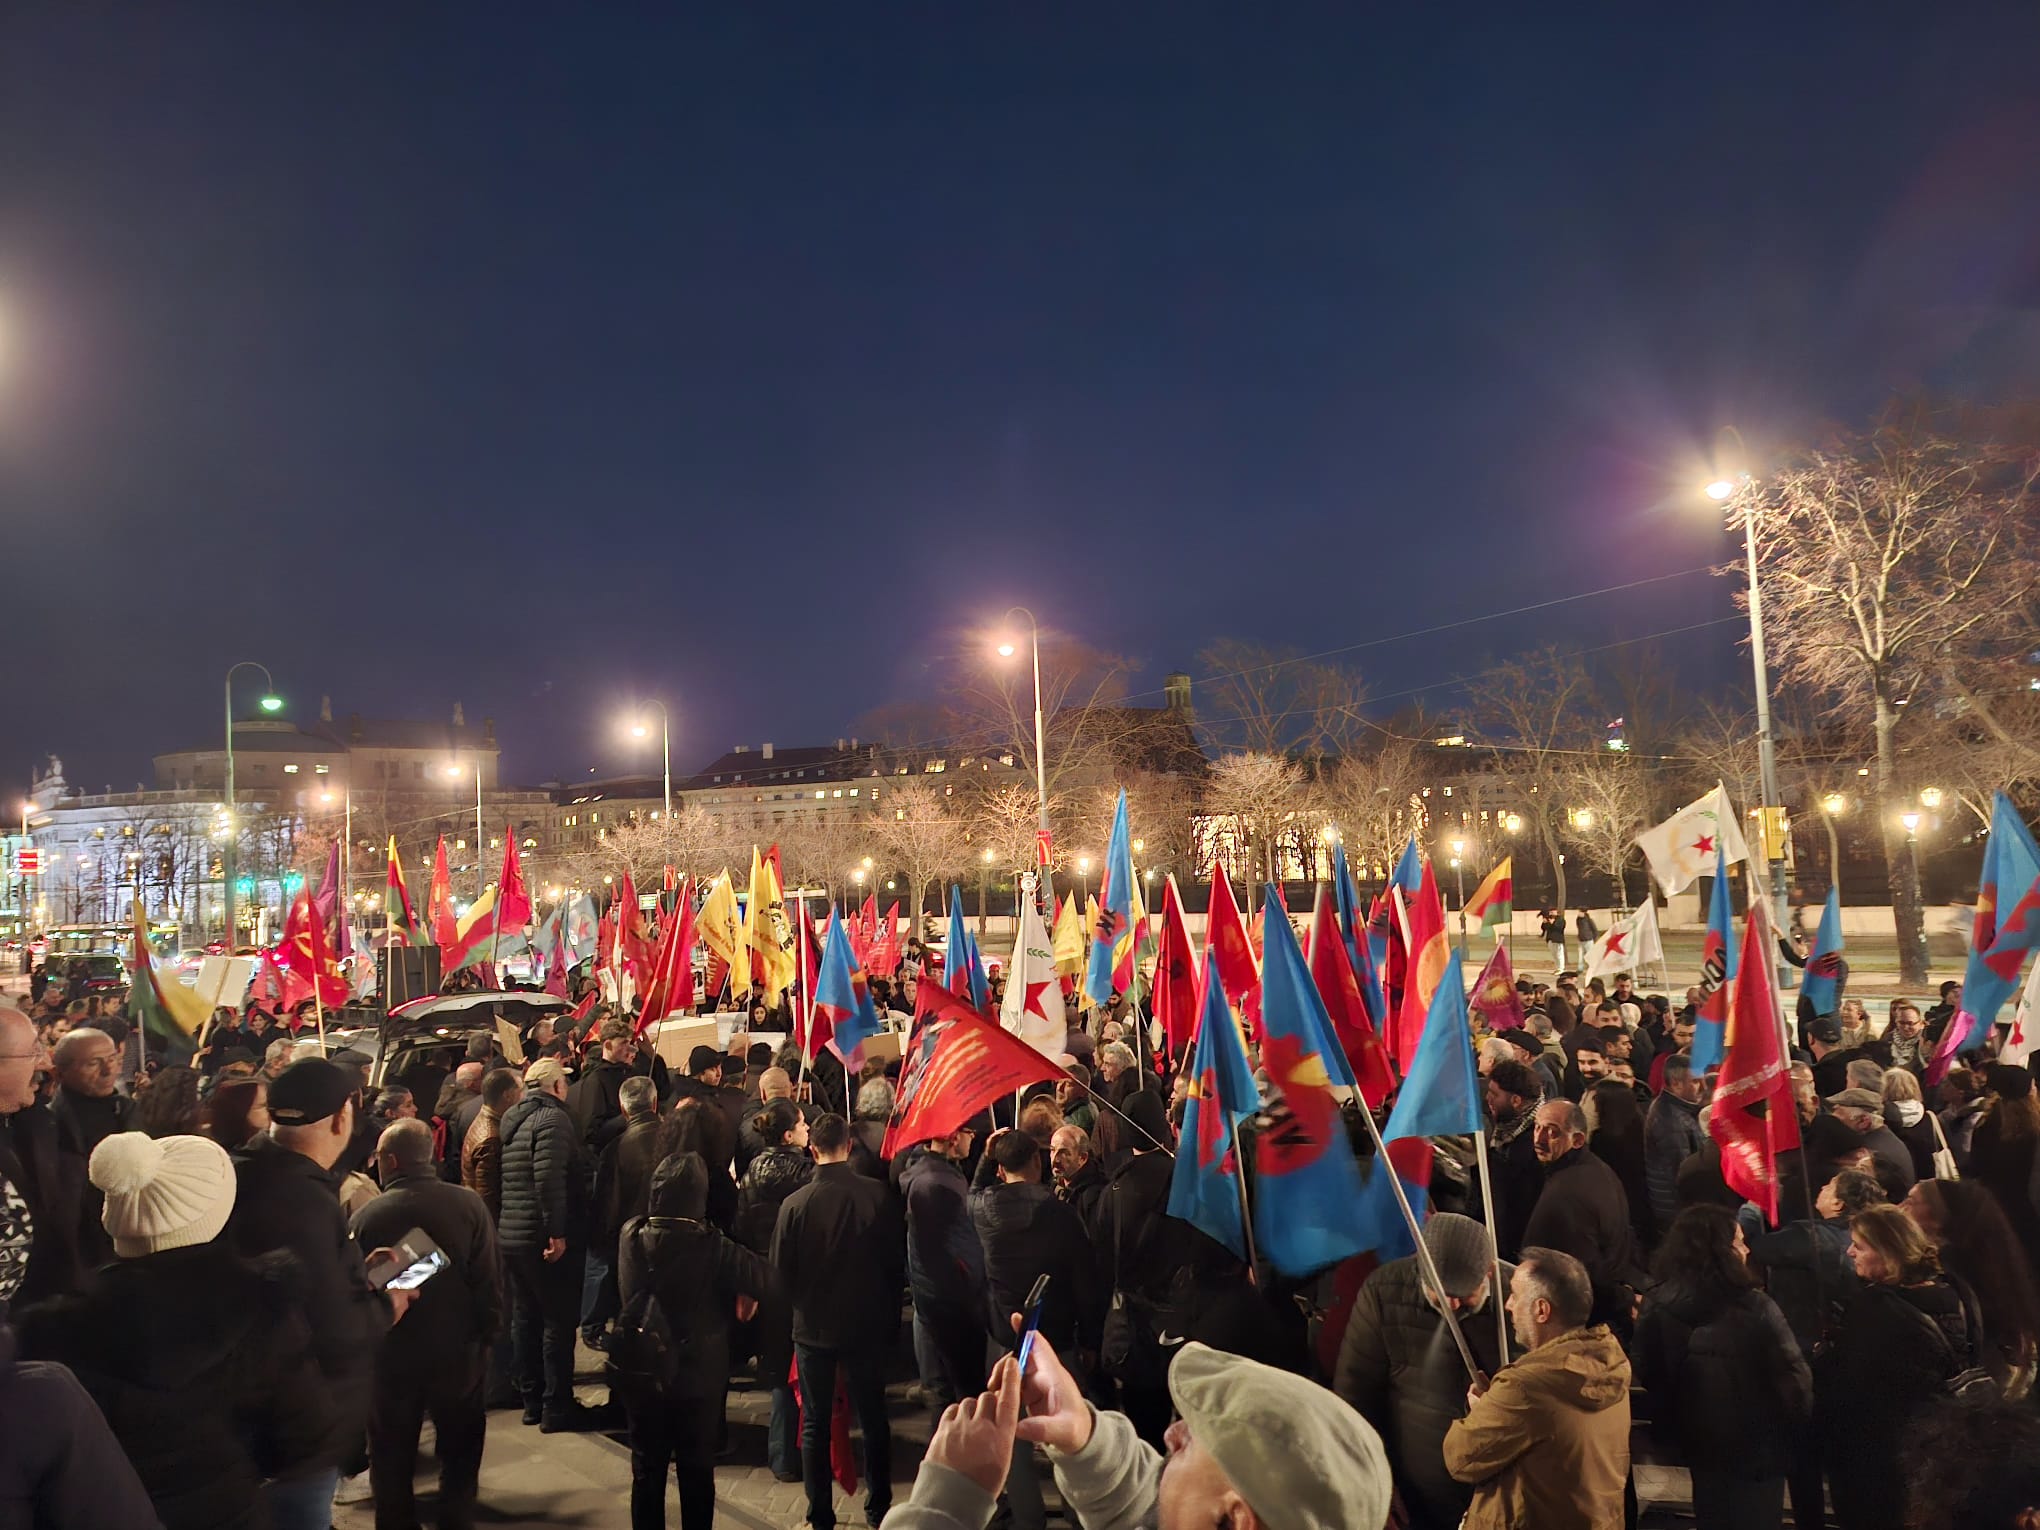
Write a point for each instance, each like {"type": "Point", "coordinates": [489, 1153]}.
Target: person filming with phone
{"type": "Point", "coordinates": [435, 1360]}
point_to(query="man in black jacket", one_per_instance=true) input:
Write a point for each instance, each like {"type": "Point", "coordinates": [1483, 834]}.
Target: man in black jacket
{"type": "Point", "coordinates": [1514, 1092]}
{"type": "Point", "coordinates": [547, 1186]}
{"type": "Point", "coordinates": [840, 1248]}
{"type": "Point", "coordinates": [623, 1184]}
{"type": "Point", "coordinates": [1583, 1211]}
{"type": "Point", "coordinates": [49, 1182]}
{"type": "Point", "coordinates": [435, 1360]}
{"type": "Point", "coordinates": [1079, 1176]}
{"type": "Point", "coordinates": [285, 1198]}
{"type": "Point", "coordinates": [945, 1264]}
{"type": "Point", "coordinates": [88, 1109]}
{"type": "Point", "coordinates": [595, 1099]}
{"type": "Point", "coordinates": [1400, 1369]}
{"type": "Point", "coordinates": [1026, 1234]}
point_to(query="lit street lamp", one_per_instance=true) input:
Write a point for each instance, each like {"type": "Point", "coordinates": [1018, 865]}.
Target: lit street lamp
{"type": "Point", "coordinates": [1084, 880]}
{"type": "Point", "coordinates": [640, 730]}
{"type": "Point", "coordinates": [1007, 648]}
{"type": "Point", "coordinates": [271, 703]}
{"type": "Point", "coordinates": [481, 840]}
{"type": "Point", "coordinates": [1459, 876]}
{"type": "Point", "coordinates": [1739, 492]}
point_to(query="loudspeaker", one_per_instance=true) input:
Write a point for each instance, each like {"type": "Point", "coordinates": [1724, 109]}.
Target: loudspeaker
{"type": "Point", "coordinates": [404, 973]}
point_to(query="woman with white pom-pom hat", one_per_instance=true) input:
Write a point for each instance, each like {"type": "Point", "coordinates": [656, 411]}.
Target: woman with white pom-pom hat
{"type": "Point", "coordinates": [201, 1360]}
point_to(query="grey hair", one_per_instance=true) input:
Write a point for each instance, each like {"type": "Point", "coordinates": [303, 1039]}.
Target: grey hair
{"type": "Point", "coordinates": [75, 1040]}
{"type": "Point", "coordinates": [1899, 1084]}
{"type": "Point", "coordinates": [1864, 1073]}
{"type": "Point", "coordinates": [1678, 1067]}
{"type": "Point", "coordinates": [1562, 1281]}
{"type": "Point", "coordinates": [638, 1097]}
{"type": "Point", "coordinates": [875, 1100]}
{"type": "Point", "coordinates": [408, 1143]}
{"type": "Point", "coordinates": [1119, 1052]}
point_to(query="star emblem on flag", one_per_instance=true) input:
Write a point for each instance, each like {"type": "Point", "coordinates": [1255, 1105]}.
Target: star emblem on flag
{"type": "Point", "coordinates": [1032, 1004]}
{"type": "Point", "coordinates": [1613, 944]}
{"type": "Point", "coordinates": [1704, 845]}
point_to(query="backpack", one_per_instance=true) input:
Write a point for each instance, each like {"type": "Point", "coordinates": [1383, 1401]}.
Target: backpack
{"type": "Point", "coordinates": [646, 1355]}
{"type": "Point", "coordinates": [1964, 1383]}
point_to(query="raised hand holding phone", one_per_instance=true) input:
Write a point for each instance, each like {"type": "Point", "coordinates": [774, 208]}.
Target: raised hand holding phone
{"type": "Point", "coordinates": [1057, 1414]}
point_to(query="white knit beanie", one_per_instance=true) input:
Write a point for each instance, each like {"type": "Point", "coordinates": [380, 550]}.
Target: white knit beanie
{"type": "Point", "coordinates": [171, 1192]}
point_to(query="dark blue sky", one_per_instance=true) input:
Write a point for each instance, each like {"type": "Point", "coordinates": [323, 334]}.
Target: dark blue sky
{"type": "Point", "coordinates": [748, 354]}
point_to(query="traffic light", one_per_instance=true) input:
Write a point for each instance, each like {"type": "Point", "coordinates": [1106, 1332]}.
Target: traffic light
{"type": "Point", "coordinates": [244, 886]}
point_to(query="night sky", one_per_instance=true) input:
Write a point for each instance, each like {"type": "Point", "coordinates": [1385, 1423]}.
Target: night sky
{"type": "Point", "coordinates": [752, 356]}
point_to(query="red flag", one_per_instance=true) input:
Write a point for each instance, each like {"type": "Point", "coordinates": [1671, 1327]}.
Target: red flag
{"type": "Point", "coordinates": [513, 898]}
{"type": "Point", "coordinates": [1225, 937]}
{"type": "Point", "coordinates": [266, 992]}
{"type": "Point", "coordinates": [956, 1063]}
{"type": "Point", "coordinates": [884, 960]}
{"type": "Point", "coordinates": [1385, 919]}
{"type": "Point", "coordinates": [586, 1007]}
{"type": "Point", "coordinates": [1331, 969]}
{"type": "Point", "coordinates": [1175, 1000]}
{"type": "Point", "coordinates": [439, 903]}
{"type": "Point", "coordinates": [1429, 951]}
{"type": "Point", "coordinates": [637, 944]}
{"type": "Point", "coordinates": [310, 968]}
{"type": "Point", "coordinates": [672, 982]}
{"type": "Point", "coordinates": [864, 930]}
{"type": "Point", "coordinates": [562, 956]}
{"type": "Point", "coordinates": [1494, 993]}
{"type": "Point", "coordinates": [1753, 1116]}
{"type": "Point", "coordinates": [807, 953]}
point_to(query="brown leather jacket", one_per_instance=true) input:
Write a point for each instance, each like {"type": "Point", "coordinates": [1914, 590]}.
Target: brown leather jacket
{"type": "Point", "coordinates": [481, 1160]}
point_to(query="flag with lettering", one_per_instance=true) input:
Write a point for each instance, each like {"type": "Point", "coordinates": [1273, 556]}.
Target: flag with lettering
{"type": "Point", "coordinates": [956, 1063]}
{"type": "Point", "coordinates": [1717, 972]}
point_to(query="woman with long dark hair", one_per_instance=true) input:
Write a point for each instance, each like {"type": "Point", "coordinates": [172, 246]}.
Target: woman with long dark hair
{"type": "Point", "coordinates": [237, 1110]}
{"type": "Point", "coordinates": [1978, 1250]}
{"type": "Point", "coordinates": [1615, 1136]}
{"type": "Point", "coordinates": [1726, 1381]}
{"type": "Point", "coordinates": [2001, 1150]}
{"type": "Point", "coordinates": [1901, 1338]}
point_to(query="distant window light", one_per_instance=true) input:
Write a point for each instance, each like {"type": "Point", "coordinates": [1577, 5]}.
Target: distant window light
{"type": "Point", "coordinates": [322, 770]}
{"type": "Point", "coordinates": [799, 772]}
{"type": "Point", "coordinates": [531, 844]}
{"type": "Point", "coordinates": [936, 767]}
{"type": "Point", "coordinates": [495, 844]}
{"type": "Point", "coordinates": [819, 794]}
{"type": "Point", "coordinates": [1448, 791]}
{"type": "Point", "coordinates": [594, 818]}
{"type": "Point", "coordinates": [290, 770]}
{"type": "Point", "coordinates": [1005, 759]}
{"type": "Point", "coordinates": [460, 844]}
{"type": "Point", "coordinates": [839, 792]}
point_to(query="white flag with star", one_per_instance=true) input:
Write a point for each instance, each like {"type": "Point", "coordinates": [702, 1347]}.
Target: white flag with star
{"type": "Point", "coordinates": [1033, 1006]}
{"type": "Point", "coordinates": [1682, 847]}
{"type": "Point", "coordinates": [1629, 945]}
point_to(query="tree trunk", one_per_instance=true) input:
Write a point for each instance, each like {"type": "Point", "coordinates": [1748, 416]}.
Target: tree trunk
{"type": "Point", "coordinates": [1557, 858]}
{"type": "Point", "coordinates": [1834, 851]}
{"type": "Point", "coordinates": [1901, 868]}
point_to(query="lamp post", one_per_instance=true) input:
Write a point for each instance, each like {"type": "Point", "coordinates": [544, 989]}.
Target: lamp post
{"type": "Point", "coordinates": [271, 703]}
{"type": "Point", "coordinates": [1912, 841]}
{"type": "Point", "coordinates": [1084, 881]}
{"type": "Point", "coordinates": [984, 883]}
{"type": "Point", "coordinates": [639, 730]}
{"type": "Point", "coordinates": [1459, 877]}
{"type": "Point", "coordinates": [453, 774]}
{"type": "Point", "coordinates": [1740, 494]}
{"type": "Point", "coordinates": [1006, 651]}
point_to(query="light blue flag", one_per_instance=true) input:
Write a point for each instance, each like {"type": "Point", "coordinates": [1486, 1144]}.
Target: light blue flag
{"type": "Point", "coordinates": [1440, 1095]}
{"type": "Point", "coordinates": [1205, 1188]}
{"type": "Point", "coordinates": [1824, 961]}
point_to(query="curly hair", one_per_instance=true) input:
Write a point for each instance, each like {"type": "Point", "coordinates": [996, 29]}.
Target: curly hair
{"type": "Point", "coordinates": [1699, 1251]}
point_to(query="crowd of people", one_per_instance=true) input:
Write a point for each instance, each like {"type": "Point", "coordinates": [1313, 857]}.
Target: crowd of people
{"type": "Point", "coordinates": [195, 1261]}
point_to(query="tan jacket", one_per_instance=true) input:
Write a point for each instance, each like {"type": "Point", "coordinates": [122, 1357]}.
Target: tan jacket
{"type": "Point", "coordinates": [481, 1160]}
{"type": "Point", "coordinates": [1547, 1446]}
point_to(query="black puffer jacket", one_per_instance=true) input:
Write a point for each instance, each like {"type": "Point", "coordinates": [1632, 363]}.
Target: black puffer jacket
{"type": "Point", "coordinates": [59, 1463]}
{"type": "Point", "coordinates": [547, 1176]}
{"type": "Point", "coordinates": [1026, 1232]}
{"type": "Point", "coordinates": [773, 1175]}
{"type": "Point", "coordinates": [202, 1363]}
{"type": "Point", "coordinates": [1399, 1368]}
{"type": "Point", "coordinates": [696, 1272]}
{"type": "Point", "coordinates": [1727, 1383]}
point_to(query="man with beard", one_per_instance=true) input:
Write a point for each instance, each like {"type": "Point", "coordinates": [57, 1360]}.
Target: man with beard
{"type": "Point", "coordinates": [1513, 1095]}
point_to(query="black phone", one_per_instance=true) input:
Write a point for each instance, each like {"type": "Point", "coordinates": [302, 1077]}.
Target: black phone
{"type": "Point", "coordinates": [1030, 1322]}
{"type": "Point", "coordinates": [413, 1260]}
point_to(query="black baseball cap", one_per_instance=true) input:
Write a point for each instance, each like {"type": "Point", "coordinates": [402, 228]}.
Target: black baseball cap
{"type": "Point", "coordinates": [308, 1091]}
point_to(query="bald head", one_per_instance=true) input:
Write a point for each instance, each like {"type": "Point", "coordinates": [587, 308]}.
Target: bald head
{"type": "Point", "coordinates": [467, 1078]}
{"type": "Point", "coordinates": [775, 1084]}
{"type": "Point", "coordinates": [405, 1147]}
{"type": "Point", "coordinates": [20, 1051]}
{"type": "Point", "coordinates": [88, 1063]}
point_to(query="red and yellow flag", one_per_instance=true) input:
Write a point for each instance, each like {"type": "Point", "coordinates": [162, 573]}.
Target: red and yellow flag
{"type": "Point", "coordinates": [1494, 901]}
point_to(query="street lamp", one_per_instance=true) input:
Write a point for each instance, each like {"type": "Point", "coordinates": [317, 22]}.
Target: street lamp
{"type": "Point", "coordinates": [640, 730]}
{"type": "Point", "coordinates": [984, 889]}
{"type": "Point", "coordinates": [271, 703]}
{"type": "Point", "coordinates": [1513, 823]}
{"type": "Point", "coordinates": [1459, 876]}
{"type": "Point", "coordinates": [1833, 803]}
{"type": "Point", "coordinates": [1738, 491]}
{"type": "Point", "coordinates": [481, 839]}
{"type": "Point", "coordinates": [1084, 880]}
{"type": "Point", "coordinates": [1930, 798]}
{"type": "Point", "coordinates": [1007, 648]}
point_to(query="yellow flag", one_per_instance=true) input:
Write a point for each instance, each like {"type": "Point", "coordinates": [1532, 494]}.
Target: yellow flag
{"type": "Point", "coordinates": [764, 921]}
{"type": "Point", "coordinates": [1069, 942]}
{"type": "Point", "coordinates": [721, 925]}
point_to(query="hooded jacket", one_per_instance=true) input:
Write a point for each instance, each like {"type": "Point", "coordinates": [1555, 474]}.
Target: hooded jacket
{"type": "Point", "coordinates": [1548, 1443]}
{"type": "Point", "coordinates": [696, 1273]}
{"type": "Point", "coordinates": [202, 1364]}
{"type": "Point", "coordinates": [1727, 1382]}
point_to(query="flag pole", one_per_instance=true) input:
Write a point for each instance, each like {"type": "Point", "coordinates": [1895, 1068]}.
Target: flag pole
{"type": "Point", "coordinates": [1487, 1184]}
{"type": "Point", "coordinates": [1424, 1261]}
{"type": "Point", "coordinates": [1246, 1209]}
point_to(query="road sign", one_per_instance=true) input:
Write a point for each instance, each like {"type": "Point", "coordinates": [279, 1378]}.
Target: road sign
{"type": "Point", "coordinates": [28, 862]}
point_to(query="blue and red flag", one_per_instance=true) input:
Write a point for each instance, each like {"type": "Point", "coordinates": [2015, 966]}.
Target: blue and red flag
{"type": "Point", "coordinates": [842, 996]}
{"type": "Point", "coordinates": [1358, 1030]}
{"type": "Point", "coordinates": [963, 969]}
{"type": "Point", "coordinates": [2007, 926]}
{"type": "Point", "coordinates": [1440, 1094]}
{"type": "Point", "coordinates": [1359, 938]}
{"type": "Point", "coordinates": [1824, 961]}
{"type": "Point", "coordinates": [1717, 972]}
{"type": "Point", "coordinates": [1308, 1186]}
{"type": "Point", "coordinates": [1205, 1189]}
{"type": "Point", "coordinates": [1113, 940]}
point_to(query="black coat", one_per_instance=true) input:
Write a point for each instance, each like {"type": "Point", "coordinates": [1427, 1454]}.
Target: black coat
{"type": "Point", "coordinates": [1144, 1250]}
{"type": "Point", "coordinates": [594, 1101]}
{"type": "Point", "coordinates": [840, 1247]}
{"type": "Point", "coordinates": [548, 1176]}
{"type": "Point", "coordinates": [945, 1261]}
{"type": "Point", "coordinates": [458, 1311]}
{"type": "Point", "coordinates": [623, 1177]}
{"type": "Point", "coordinates": [1874, 1388]}
{"type": "Point", "coordinates": [202, 1363]}
{"type": "Point", "coordinates": [1084, 1190]}
{"type": "Point", "coordinates": [53, 1184]}
{"type": "Point", "coordinates": [1399, 1368]}
{"type": "Point", "coordinates": [1727, 1383]}
{"type": "Point", "coordinates": [82, 1124]}
{"type": "Point", "coordinates": [773, 1176]}
{"type": "Point", "coordinates": [1584, 1212]}
{"type": "Point", "coordinates": [282, 1200]}
{"type": "Point", "coordinates": [2005, 1168]}
{"type": "Point", "coordinates": [1807, 1271]}
{"type": "Point", "coordinates": [1518, 1178]}
{"type": "Point", "coordinates": [59, 1463]}
{"type": "Point", "coordinates": [1026, 1232]}
{"type": "Point", "coordinates": [697, 1274]}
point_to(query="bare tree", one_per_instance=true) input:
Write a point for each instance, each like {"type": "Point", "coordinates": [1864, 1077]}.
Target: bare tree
{"type": "Point", "coordinates": [1376, 801]}
{"type": "Point", "coordinates": [1722, 743]}
{"type": "Point", "coordinates": [1889, 563]}
{"type": "Point", "coordinates": [923, 835]}
{"type": "Point", "coordinates": [1607, 805]}
{"type": "Point", "coordinates": [1538, 717]}
{"type": "Point", "coordinates": [1257, 794]}
{"type": "Point", "coordinates": [1274, 701]}
{"type": "Point", "coordinates": [1084, 719]}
